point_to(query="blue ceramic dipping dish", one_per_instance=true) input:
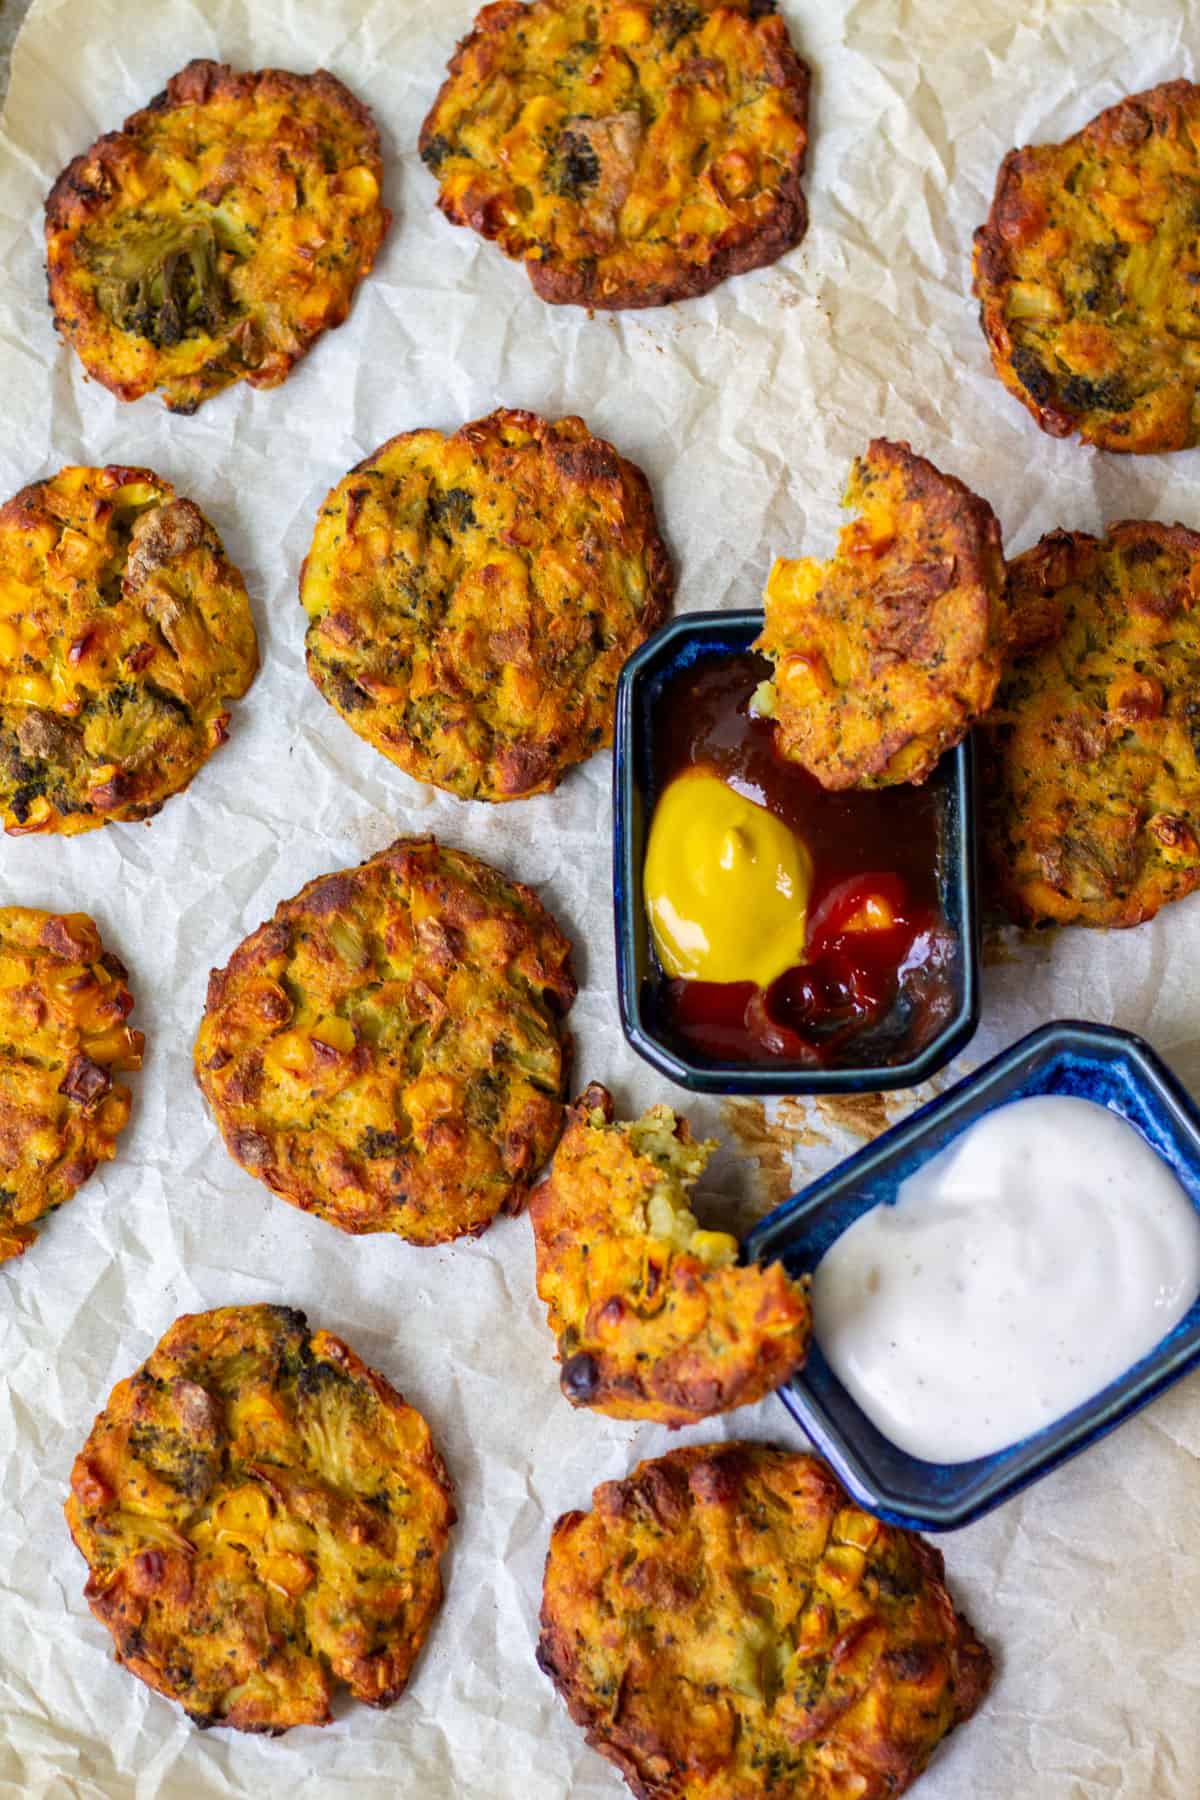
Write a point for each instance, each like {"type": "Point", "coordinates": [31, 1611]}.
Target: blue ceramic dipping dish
{"type": "Point", "coordinates": [1092, 1062]}
{"type": "Point", "coordinates": [681, 645]}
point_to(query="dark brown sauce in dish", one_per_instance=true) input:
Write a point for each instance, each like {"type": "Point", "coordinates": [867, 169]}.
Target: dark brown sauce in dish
{"type": "Point", "coordinates": [860, 997]}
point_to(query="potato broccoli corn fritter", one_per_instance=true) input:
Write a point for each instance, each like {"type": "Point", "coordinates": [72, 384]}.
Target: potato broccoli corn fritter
{"type": "Point", "coordinates": [217, 234]}
{"type": "Point", "coordinates": [262, 1517]}
{"type": "Point", "coordinates": [631, 152]}
{"type": "Point", "coordinates": [654, 1319]}
{"type": "Point", "coordinates": [63, 1036]}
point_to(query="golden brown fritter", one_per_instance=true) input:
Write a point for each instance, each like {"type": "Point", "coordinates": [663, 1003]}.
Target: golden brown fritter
{"type": "Point", "coordinates": [63, 1006]}
{"type": "Point", "coordinates": [726, 1624]}
{"type": "Point", "coordinates": [885, 656]}
{"type": "Point", "coordinates": [1092, 752]}
{"type": "Point", "coordinates": [472, 600]}
{"type": "Point", "coordinates": [632, 152]}
{"type": "Point", "coordinates": [124, 633]}
{"type": "Point", "coordinates": [217, 234]}
{"type": "Point", "coordinates": [388, 1052]}
{"type": "Point", "coordinates": [263, 1518]}
{"type": "Point", "coordinates": [653, 1318]}
{"type": "Point", "coordinates": [1088, 271]}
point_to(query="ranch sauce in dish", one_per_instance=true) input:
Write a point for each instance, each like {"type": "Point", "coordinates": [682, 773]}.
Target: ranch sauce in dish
{"type": "Point", "coordinates": [1036, 1259]}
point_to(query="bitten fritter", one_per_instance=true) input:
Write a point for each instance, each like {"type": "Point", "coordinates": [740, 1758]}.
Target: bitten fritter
{"type": "Point", "coordinates": [63, 1036]}
{"type": "Point", "coordinates": [472, 600]}
{"type": "Point", "coordinates": [631, 152]}
{"type": "Point", "coordinates": [125, 631]}
{"type": "Point", "coordinates": [1088, 271]}
{"type": "Point", "coordinates": [1092, 752]}
{"type": "Point", "coordinates": [886, 656]}
{"type": "Point", "coordinates": [217, 234]}
{"type": "Point", "coordinates": [725, 1624]}
{"type": "Point", "coordinates": [262, 1516]}
{"type": "Point", "coordinates": [653, 1318]}
{"type": "Point", "coordinates": [388, 1052]}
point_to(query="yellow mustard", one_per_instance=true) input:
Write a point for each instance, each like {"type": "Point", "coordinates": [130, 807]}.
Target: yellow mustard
{"type": "Point", "coordinates": [726, 884]}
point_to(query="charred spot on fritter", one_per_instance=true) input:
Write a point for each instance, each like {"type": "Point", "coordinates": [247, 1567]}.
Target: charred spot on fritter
{"type": "Point", "coordinates": [1087, 270]}
{"type": "Point", "coordinates": [125, 632]}
{"type": "Point", "coordinates": [63, 1036]}
{"type": "Point", "coordinates": [676, 19]}
{"type": "Point", "coordinates": [262, 1517]}
{"type": "Point", "coordinates": [886, 655]}
{"type": "Point", "coordinates": [388, 1052]}
{"type": "Point", "coordinates": [578, 165]}
{"type": "Point", "coordinates": [472, 600]}
{"type": "Point", "coordinates": [180, 248]}
{"type": "Point", "coordinates": [653, 1317]}
{"type": "Point", "coordinates": [453, 511]}
{"type": "Point", "coordinates": [631, 156]}
{"type": "Point", "coordinates": [1092, 750]}
{"type": "Point", "coordinates": [726, 1621]}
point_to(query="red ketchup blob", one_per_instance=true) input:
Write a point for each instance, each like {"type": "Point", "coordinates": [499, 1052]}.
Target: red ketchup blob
{"type": "Point", "coordinates": [861, 996]}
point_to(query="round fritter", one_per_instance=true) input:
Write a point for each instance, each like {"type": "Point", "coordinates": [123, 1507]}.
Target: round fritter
{"type": "Point", "coordinates": [217, 234]}
{"type": "Point", "coordinates": [63, 1036]}
{"type": "Point", "coordinates": [726, 1624]}
{"type": "Point", "coordinates": [1092, 752]}
{"type": "Point", "coordinates": [262, 1516]}
{"type": "Point", "coordinates": [472, 600]}
{"type": "Point", "coordinates": [632, 152]}
{"type": "Point", "coordinates": [885, 656]}
{"type": "Point", "coordinates": [1088, 271]}
{"type": "Point", "coordinates": [124, 633]}
{"type": "Point", "coordinates": [653, 1318]}
{"type": "Point", "coordinates": [388, 1052]}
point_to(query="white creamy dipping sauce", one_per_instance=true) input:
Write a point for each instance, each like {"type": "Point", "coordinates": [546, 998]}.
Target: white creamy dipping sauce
{"type": "Point", "coordinates": [1036, 1259]}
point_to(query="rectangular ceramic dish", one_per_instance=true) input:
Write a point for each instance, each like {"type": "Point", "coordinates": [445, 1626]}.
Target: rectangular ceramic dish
{"type": "Point", "coordinates": [1092, 1062]}
{"type": "Point", "coordinates": [680, 645]}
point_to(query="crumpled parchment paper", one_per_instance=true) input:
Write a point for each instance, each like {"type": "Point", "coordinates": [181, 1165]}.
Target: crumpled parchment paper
{"type": "Point", "coordinates": [745, 409]}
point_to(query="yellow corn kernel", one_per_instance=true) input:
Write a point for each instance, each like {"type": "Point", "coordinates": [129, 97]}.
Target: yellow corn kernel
{"type": "Point", "coordinates": [1034, 300]}
{"type": "Point", "coordinates": [700, 220]}
{"type": "Point", "coordinates": [116, 1045]}
{"type": "Point", "coordinates": [289, 1054]}
{"type": "Point", "coordinates": [818, 1625]}
{"type": "Point", "coordinates": [541, 114]}
{"type": "Point", "coordinates": [359, 186]}
{"type": "Point", "coordinates": [289, 1573]}
{"type": "Point", "coordinates": [724, 37]}
{"type": "Point", "coordinates": [637, 215]}
{"type": "Point", "coordinates": [246, 1512]}
{"type": "Point", "coordinates": [736, 174]}
{"type": "Point", "coordinates": [628, 25]}
{"type": "Point", "coordinates": [715, 1249]}
{"type": "Point", "coordinates": [337, 1033]}
{"type": "Point", "coordinates": [705, 109]}
{"type": "Point", "coordinates": [34, 690]}
{"type": "Point", "coordinates": [842, 1567]}
{"type": "Point", "coordinates": [854, 1527]}
{"type": "Point", "coordinates": [133, 186]}
{"type": "Point", "coordinates": [74, 553]}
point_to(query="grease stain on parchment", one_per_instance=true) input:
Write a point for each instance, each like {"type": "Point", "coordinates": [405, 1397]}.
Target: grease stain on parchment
{"type": "Point", "coordinates": [770, 1142]}
{"type": "Point", "coordinates": [862, 1115]}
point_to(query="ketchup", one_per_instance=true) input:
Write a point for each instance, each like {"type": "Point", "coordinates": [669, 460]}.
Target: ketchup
{"type": "Point", "coordinates": [861, 996]}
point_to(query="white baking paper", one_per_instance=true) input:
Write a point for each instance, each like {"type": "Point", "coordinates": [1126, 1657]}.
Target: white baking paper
{"type": "Point", "coordinates": [745, 409]}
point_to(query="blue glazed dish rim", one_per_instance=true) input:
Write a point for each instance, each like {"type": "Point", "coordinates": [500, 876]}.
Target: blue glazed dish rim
{"type": "Point", "coordinates": [945, 1497]}
{"type": "Point", "coordinates": [632, 928]}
